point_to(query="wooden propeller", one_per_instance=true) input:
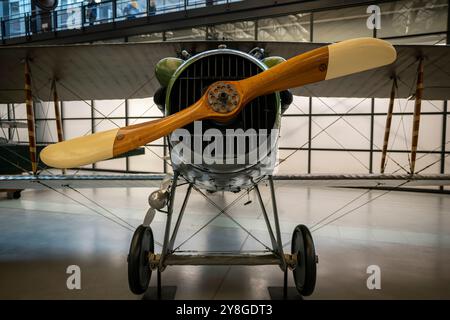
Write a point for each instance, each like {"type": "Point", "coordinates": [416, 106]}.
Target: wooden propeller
{"type": "Point", "coordinates": [223, 100]}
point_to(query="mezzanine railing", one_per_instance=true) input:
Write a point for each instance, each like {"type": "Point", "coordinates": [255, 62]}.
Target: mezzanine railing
{"type": "Point", "coordinates": [79, 15]}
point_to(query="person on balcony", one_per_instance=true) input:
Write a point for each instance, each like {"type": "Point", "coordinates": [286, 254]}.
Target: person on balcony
{"type": "Point", "coordinates": [91, 12]}
{"type": "Point", "coordinates": [152, 8]}
{"type": "Point", "coordinates": [131, 9]}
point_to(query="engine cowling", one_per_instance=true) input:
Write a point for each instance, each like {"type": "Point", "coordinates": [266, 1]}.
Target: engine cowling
{"type": "Point", "coordinates": [188, 84]}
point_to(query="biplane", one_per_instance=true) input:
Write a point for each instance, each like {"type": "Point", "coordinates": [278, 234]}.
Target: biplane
{"type": "Point", "coordinates": [219, 86]}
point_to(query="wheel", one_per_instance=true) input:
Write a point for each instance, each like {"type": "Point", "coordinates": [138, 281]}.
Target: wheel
{"type": "Point", "coordinates": [13, 194]}
{"type": "Point", "coordinates": [139, 272]}
{"type": "Point", "coordinates": [305, 271]}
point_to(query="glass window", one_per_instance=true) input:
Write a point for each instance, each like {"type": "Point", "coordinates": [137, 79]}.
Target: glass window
{"type": "Point", "coordinates": [447, 145]}
{"type": "Point", "coordinates": [145, 107]}
{"type": "Point", "coordinates": [3, 111]}
{"type": "Point", "coordinates": [339, 162]}
{"type": "Point", "coordinates": [19, 111]}
{"type": "Point", "coordinates": [107, 124]}
{"type": "Point", "coordinates": [430, 133]}
{"type": "Point", "coordinates": [113, 164]}
{"type": "Point", "coordinates": [149, 37]}
{"type": "Point", "coordinates": [46, 131]}
{"type": "Point", "coordinates": [76, 128]}
{"type": "Point", "coordinates": [109, 108]}
{"type": "Point", "coordinates": [294, 132]}
{"type": "Point", "coordinates": [296, 162]}
{"type": "Point", "coordinates": [151, 161]}
{"type": "Point", "coordinates": [400, 134]}
{"type": "Point", "coordinates": [243, 30]}
{"type": "Point", "coordinates": [339, 133]}
{"type": "Point", "coordinates": [186, 34]}
{"type": "Point", "coordinates": [341, 105]}
{"type": "Point", "coordinates": [412, 17]}
{"type": "Point", "coordinates": [342, 24]}
{"type": "Point", "coordinates": [300, 105]}
{"type": "Point", "coordinates": [165, 6]}
{"type": "Point", "coordinates": [76, 109]}
{"type": "Point", "coordinates": [435, 39]}
{"type": "Point", "coordinates": [126, 9]}
{"type": "Point", "coordinates": [44, 110]}
{"type": "Point", "coordinates": [294, 27]}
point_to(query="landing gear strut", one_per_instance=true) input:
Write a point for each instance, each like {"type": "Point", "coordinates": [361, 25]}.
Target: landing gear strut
{"type": "Point", "coordinates": [142, 259]}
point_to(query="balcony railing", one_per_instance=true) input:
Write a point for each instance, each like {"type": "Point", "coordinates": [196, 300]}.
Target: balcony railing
{"type": "Point", "coordinates": [80, 16]}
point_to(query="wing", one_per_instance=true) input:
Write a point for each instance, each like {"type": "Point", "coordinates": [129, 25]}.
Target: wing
{"type": "Point", "coordinates": [154, 180]}
{"type": "Point", "coordinates": [12, 124]}
{"type": "Point", "coordinates": [367, 180]}
{"type": "Point", "coordinates": [21, 182]}
{"type": "Point", "coordinates": [126, 70]}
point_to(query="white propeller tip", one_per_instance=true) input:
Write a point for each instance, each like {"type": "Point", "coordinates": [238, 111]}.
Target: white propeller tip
{"type": "Point", "coordinates": [356, 55]}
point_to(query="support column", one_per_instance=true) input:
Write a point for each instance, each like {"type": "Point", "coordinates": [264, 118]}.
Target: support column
{"type": "Point", "coordinates": [10, 130]}
{"type": "Point", "coordinates": [59, 128]}
{"type": "Point", "coordinates": [30, 118]}
{"type": "Point", "coordinates": [416, 119]}
{"type": "Point", "coordinates": [372, 124]}
{"type": "Point", "coordinates": [387, 129]}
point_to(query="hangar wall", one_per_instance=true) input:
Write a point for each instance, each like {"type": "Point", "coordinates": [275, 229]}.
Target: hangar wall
{"type": "Point", "coordinates": [351, 145]}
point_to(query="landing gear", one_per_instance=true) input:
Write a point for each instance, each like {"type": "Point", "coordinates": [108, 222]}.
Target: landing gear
{"type": "Point", "coordinates": [142, 259]}
{"type": "Point", "coordinates": [13, 194]}
{"type": "Point", "coordinates": [305, 271]}
{"type": "Point", "coordinates": [139, 271]}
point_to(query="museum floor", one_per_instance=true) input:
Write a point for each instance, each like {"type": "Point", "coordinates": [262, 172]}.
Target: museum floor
{"type": "Point", "coordinates": [406, 234]}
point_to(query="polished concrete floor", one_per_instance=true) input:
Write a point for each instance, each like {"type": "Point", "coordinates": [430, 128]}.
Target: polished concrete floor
{"type": "Point", "coordinates": [406, 234]}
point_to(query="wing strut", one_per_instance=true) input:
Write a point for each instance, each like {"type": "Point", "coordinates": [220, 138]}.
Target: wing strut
{"type": "Point", "coordinates": [416, 118]}
{"type": "Point", "coordinates": [59, 127]}
{"type": "Point", "coordinates": [388, 124]}
{"type": "Point", "coordinates": [30, 118]}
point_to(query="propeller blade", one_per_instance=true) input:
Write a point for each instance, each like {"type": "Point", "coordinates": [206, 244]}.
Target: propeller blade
{"type": "Point", "coordinates": [107, 144]}
{"type": "Point", "coordinates": [225, 99]}
{"type": "Point", "coordinates": [324, 63]}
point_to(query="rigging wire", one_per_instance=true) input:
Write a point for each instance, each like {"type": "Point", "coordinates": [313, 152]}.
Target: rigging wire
{"type": "Point", "coordinates": [86, 206]}
{"type": "Point", "coordinates": [360, 206]}
{"type": "Point", "coordinates": [334, 139]}
{"type": "Point", "coordinates": [229, 206]}
{"type": "Point", "coordinates": [231, 218]}
{"type": "Point", "coordinates": [127, 225]}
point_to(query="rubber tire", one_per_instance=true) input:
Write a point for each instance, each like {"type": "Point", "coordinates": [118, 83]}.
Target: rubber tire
{"type": "Point", "coordinates": [139, 272]}
{"type": "Point", "coordinates": [305, 272]}
{"type": "Point", "coordinates": [13, 194]}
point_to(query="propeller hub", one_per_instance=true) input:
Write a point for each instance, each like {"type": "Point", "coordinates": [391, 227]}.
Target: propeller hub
{"type": "Point", "coordinates": [223, 97]}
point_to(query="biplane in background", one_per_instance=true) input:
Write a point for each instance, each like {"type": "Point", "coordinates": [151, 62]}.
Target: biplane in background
{"type": "Point", "coordinates": [230, 85]}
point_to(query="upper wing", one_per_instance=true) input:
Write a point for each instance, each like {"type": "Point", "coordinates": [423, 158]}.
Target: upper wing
{"type": "Point", "coordinates": [126, 70]}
